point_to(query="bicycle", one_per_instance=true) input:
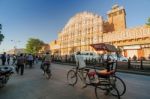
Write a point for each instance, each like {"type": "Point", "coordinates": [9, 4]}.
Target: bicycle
{"type": "Point", "coordinates": [46, 70]}
{"type": "Point", "coordinates": [119, 84]}
{"type": "Point", "coordinates": [72, 78]}
{"type": "Point", "coordinates": [104, 81]}
{"type": "Point", "coordinates": [75, 73]}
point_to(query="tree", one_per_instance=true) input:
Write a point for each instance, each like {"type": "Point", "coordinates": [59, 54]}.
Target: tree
{"type": "Point", "coordinates": [1, 37]}
{"type": "Point", "coordinates": [148, 21]}
{"type": "Point", "coordinates": [34, 45]}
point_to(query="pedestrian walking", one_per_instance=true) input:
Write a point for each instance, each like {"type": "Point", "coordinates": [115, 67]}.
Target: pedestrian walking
{"type": "Point", "coordinates": [3, 57]}
{"type": "Point", "coordinates": [20, 64]}
{"type": "Point", "coordinates": [8, 59]}
{"type": "Point", "coordinates": [14, 59]}
{"type": "Point", "coordinates": [30, 60]}
{"type": "Point", "coordinates": [26, 60]}
{"type": "Point", "coordinates": [36, 59]}
{"type": "Point", "coordinates": [134, 58]}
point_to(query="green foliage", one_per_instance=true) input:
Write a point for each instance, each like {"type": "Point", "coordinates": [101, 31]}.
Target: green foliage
{"type": "Point", "coordinates": [148, 21]}
{"type": "Point", "coordinates": [1, 37]}
{"type": "Point", "coordinates": [34, 45]}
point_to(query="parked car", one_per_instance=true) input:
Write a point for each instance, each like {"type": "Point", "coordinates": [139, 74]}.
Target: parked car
{"type": "Point", "coordinates": [92, 55]}
{"type": "Point", "coordinates": [88, 55]}
{"type": "Point", "coordinates": [115, 57]}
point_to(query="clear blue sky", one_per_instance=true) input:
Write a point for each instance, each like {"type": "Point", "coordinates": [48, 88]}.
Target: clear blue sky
{"type": "Point", "coordinates": [22, 19]}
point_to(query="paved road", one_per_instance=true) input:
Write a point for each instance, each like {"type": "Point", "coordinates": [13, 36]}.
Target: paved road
{"type": "Point", "coordinates": [33, 85]}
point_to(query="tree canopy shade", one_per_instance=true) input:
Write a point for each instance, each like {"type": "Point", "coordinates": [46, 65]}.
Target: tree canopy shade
{"type": "Point", "coordinates": [34, 45]}
{"type": "Point", "coordinates": [148, 21]}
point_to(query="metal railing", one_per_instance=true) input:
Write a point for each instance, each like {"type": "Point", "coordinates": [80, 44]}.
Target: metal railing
{"type": "Point", "coordinates": [135, 65]}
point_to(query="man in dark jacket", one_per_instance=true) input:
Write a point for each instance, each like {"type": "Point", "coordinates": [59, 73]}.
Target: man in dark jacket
{"type": "Point", "coordinates": [3, 57]}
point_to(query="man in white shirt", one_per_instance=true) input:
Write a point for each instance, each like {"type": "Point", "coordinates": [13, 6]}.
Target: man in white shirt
{"type": "Point", "coordinates": [30, 60]}
{"type": "Point", "coordinates": [80, 63]}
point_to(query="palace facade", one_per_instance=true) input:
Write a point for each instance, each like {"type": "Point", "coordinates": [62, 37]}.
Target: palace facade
{"type": "Point", "coordinates": [87, 28]}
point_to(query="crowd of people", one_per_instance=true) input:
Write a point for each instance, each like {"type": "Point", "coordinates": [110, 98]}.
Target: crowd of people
{"type": "Point", "coordinates": [21, 61]}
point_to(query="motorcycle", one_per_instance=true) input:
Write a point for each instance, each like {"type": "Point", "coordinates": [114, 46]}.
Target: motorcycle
{"type": "Point", "coordinates": [5, 73]}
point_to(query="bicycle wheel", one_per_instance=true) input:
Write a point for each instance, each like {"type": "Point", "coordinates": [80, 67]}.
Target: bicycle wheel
{"type": "Point", "coordinates": [48, 74]}
{"type": "Point", "coordinates": [72, 77]}
{"type": "Point", "coordinates": [104, 94]}
{"type": "Point", "coordinates": [118, 84]}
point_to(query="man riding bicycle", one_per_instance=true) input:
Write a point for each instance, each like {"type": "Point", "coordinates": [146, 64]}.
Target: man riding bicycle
{"type": "Point", "coordinates": [80, 63]}
{"type": "Point", "coordinates": [46, 62]}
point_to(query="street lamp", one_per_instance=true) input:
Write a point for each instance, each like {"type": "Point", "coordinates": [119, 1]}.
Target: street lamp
{"type": "Point", "coordinates": [15, 45]}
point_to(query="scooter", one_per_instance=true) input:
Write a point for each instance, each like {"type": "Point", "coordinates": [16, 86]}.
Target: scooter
{"type": "Point", "coordinates": [5, 73]}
